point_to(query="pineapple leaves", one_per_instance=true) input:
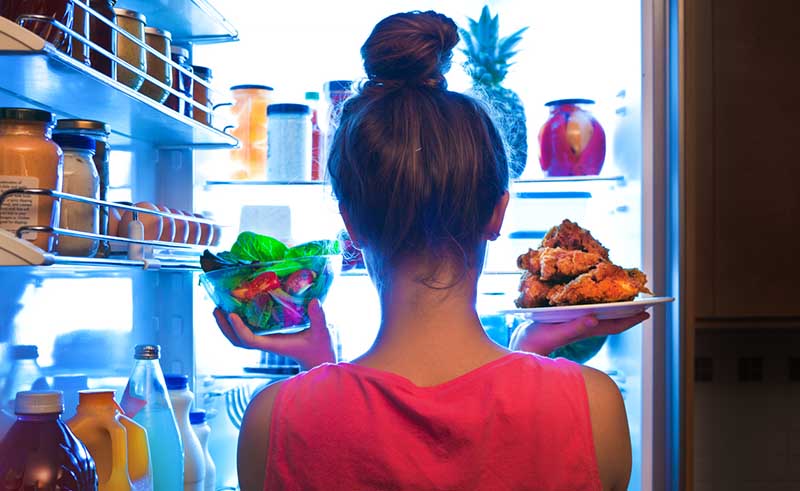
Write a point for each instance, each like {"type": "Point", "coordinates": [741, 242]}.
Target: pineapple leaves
{"type": "Point", "coordinates": [487, 54]}
{"type": "Point", "coordinates": [509, 42]}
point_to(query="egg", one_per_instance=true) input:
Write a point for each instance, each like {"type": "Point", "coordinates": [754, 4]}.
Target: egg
{"type": "Point", "coordinates": [152, 223]}
{"type": "Point", "coordinates": [168, 226]}
{"type": "Point", "coordinates": [181, 230]}
{"type": "Point", "coordinates": [194, 229]}
{"type": "Point", "coordinates": [114, 218]}
{"type": "Point", "coordinates": [217, 235]}
{"type": "Point", "coordinates": [205, 231]}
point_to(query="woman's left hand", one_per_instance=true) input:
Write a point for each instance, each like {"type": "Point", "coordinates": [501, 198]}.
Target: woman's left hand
{"type": "Point", "coordinates": [544, 338]}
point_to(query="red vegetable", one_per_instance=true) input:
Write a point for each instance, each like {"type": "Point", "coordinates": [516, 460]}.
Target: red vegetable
{"type": "Point", "coordinates": [299, 281]}
{"type": "Point", "coordinates": [262, 283]}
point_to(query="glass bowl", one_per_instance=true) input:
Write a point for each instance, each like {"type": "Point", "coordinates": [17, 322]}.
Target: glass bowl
{"type": "Point", "coordinates": [273, 297]}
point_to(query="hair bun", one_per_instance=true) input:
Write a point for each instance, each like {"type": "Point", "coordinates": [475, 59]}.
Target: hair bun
{"type": "Point", "coordinates": [410, 49]}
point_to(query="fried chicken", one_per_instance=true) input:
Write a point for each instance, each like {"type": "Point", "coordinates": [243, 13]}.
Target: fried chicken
{"type": "Point", "coordinates": [530, 261]}
{"type": "Point", "coordinates": [570, 235]}
{"type": "Point", "coordinates": [605, 283]}
{"type": "Point", "coordinates": [533, 291]}
{"type": "Point", "coordinates": [556, 263]}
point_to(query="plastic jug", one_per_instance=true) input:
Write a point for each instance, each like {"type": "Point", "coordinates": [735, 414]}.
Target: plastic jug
{"type": "Point", "coordinates": [194, 461]}
{"type": "Point", "coordinates": [117, 444]}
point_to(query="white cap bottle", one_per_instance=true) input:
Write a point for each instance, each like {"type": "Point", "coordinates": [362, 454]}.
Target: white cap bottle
{"type": "Point", "coordinates": [194, 460]}
{"type": "Point", "coordinates": [202, 430]}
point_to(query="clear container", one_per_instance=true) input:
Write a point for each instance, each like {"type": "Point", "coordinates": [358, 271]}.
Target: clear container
{"type": "Point", "coordinates": [81, 179]}
{"type": "Point", "coordinates": [201, 95]}
{"type": "Point", "coordinates": [29, 159]}
{"type": "Point", "coordinates": [194, 461]}
{"type": "Point", "coordinates": [181, 82]}
{"type": "Point", "coordinates": [289, 142]}
{"type": "Point", "coordinates": [249, 126]}
{"type": "Point", "coordinates": [336, 92]}
{"type": "Point", "coordinates": [133, 23]}
{"type": "Point", "coordinates": [161, 41]}
{"type": "Point", "coordinates": [25, 374]}
{"type": "Point", "coordinates": [146, 402]}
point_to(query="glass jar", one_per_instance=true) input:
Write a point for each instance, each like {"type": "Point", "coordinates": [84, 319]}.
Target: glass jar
{"type": "Point", "coordinates": [571, 141]}
{"type": "Point", "coordinates": [201, 95]}
{"type": "Point", "coordinates": [312, 98]}
{"type": "Point", "coordinates": [59, 10]}
{"type": "Point", "coordinates": [181, 82]}
{"type": "Point", "coordinates": [80, 178]}
{"type": "Point", "coordinates": [289, 145]}
{"type": "Point", "coordinates": [249, 126]}
{"type": "Point", "coordinates": [161, 41]}
{"type": "Point", "coordinates": [336, 92]}
{"type": "Point", "coordinates": [29, 159]}
{"type": "Point", "coordinates": [97, 32]}
{"type": "Point", "coordinates": [133, 23]}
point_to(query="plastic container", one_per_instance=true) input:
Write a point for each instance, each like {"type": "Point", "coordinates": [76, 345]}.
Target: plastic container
{"type": "Point", "coordinates": [116, 443]}
{"type": "Point", "coordinates": [25, 374]}
{"type": "Point", "coordinates": [203, 430]}
{"type": "Point", "coordinates": [40, 451]}
{"type": "Point", "coordinates": [161, 41]}
{"type": "Point", "coordinates": [133, 23]}
{"type": "Point", "coordinates": [146, 401]}
{"type": "Point", "coordinates": [194, 460]}
{"type": "Point", "coordinates": [181, 82]}
{"type": "Point", "coordinates": [250, 123]}
{"type": "Point", "coordinates": [202, 96]}
{"type": "Point", "coordinates": [317, 170]}
{"type": "Point", "coordinates": [80, 178]}
{"type": "Point", "coordinates": [29, 158]}
{"type": "Point", "coordinates": [289, 142]}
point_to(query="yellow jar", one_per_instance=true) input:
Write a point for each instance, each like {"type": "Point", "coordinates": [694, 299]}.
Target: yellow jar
{"type": "Point", "coordinates": [133, 23]}
{"type": "Point", "coordinates": [157, 68]}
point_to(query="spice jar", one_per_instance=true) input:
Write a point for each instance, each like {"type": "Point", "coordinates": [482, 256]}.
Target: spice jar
{"type": "Point", "coordinates": [80, 178]}
{"type": "Point", "coordinates": [58, 10]}
{"type": "Point", "coordinates": [29, 159]}
{"type": "Point", "coordinates": [201, 95]}
{"type": "Point", "coordinates": [161, 41]}
{"type": "Point", "coordinates": [181, 82]}
{"type": "Point", "coordinates": [133, 23]}
{"type": "Point", "coordinates": [97, 32]}
{"type": "Point", "coordinates": [289, 142]}
{"type": "Point", "coordinates": [99, 132]}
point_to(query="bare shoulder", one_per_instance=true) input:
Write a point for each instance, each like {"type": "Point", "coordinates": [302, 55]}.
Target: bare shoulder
{"type": "Point", "coordinates": [609, 428]}
{"type": "Point", "coordinates": [254, 438]}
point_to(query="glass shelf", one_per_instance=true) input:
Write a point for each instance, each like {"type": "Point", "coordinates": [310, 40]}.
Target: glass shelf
{"type": "Point", "coordinates": [189, 21]}
{"type": "Point", "coordinates": [574, 181]}
{"type": "Point", "coordinates": [50, 80]}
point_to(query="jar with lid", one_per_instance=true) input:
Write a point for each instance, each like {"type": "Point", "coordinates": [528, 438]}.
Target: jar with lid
{"type": "Point", "coordinates": [161, 41]}
{"type": "Point", "coordinates": [80, 178]}
{"type": "Point", "coordinates": [202, 95]}
{"type": "Point", "coordinates": [29, 158]}
{"type": "Point", "coordinates": [97, 32]}
{"type": "Point", "coordinates": [58, 10]}
{"type": "Point", "coordinates": [249, 126]}
{"type": "Point", "coordinates": [133, 23]}
{"type": "Point", "coordinates": [181, 82]}
{"type": "Point", "coordinates": [289, 145]}
{"type": "Point", "coordinates": [99, 132]}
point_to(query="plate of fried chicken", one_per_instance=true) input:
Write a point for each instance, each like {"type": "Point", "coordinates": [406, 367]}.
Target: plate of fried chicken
{"type": "Point", "coordinates": [570, 275]}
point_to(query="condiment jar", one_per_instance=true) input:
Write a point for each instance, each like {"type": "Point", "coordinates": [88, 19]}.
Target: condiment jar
{"type": "Point", "coordinates": [161, 41]}
{"type": "Point", "coordinates": [249, 115]}
{"type": "Point", "coordinates": [58, 10]}
{"type": "Point", "coordinates": [133, 23]}
{"type": "Point", "coordinates": [29, 159]}
{"type": "Point", "coordinates": [99, 132]}
{"type": "Point", "coordinates": [201, 95]}
{"type": "Point", "coordinates": [80, 178]}
{"type": "Point", "coordinates": [181, 82]}
{"type": "Point", "coordinates": [289, 146]}
{"type": "Point", "coordinates": [97, 32]}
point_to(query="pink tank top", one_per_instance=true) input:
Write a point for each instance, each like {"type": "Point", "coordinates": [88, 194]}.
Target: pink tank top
{"type": "Point", "coordinates": [519, 422]}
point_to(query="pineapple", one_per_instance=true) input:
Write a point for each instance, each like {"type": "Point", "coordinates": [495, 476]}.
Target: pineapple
{"type": "Point", "coordinates": [487, 64]}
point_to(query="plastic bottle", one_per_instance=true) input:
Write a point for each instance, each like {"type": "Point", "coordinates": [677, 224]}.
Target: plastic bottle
{"type": "Point", "coordinates": [194, 468]}
{"type": "Point", "coordinates": [116, 443]}
{"type": "Point", "coordinates": [145, 401]}
{"type": "Point", "coordinates": [202, 430]}
{"type": "Point", "coordinates": [25, 374]}
{"type": "Point", "coordinates": [40, 451]}
{"type": "Point", "coordinates": [312, 99]}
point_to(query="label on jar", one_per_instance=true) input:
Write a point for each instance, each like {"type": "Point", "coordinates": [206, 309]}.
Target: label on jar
{"type": "Point", "coordinates": [19, 210]}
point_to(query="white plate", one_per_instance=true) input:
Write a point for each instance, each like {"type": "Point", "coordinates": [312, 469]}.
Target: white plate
{"type": "Point", "coordinates": [564, 313]}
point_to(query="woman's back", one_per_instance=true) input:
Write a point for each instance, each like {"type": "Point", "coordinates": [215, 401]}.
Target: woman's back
{"type": "Point", "coordinates": [519, 422]}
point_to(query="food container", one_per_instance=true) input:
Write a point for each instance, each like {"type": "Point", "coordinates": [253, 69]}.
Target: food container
{"type": "Point", "coordinates": [201, 95]}
{"type": "Point", "coordinates": [249, 126]}
{"type": "Point", "coordinates": [133, 23]}
{"type": "Point", "coordinates": [58, 10]}
{"type": "Point", "coordinates": [273, 297]}
{"type": "Point", "coordinates": [181, 82]}
{"type": "Point", "coordinates": [81, 179]}
{"type": "Point", "coordinates": [97, 32]}
{"type": "Point", "coordinates": [30, 159]}
{"type": "Point", "coordinates": [571, 141]}
{"type": "Point", "coordinates": [289, 142]}
{"type": "Point", "coordinates": [161, 41]}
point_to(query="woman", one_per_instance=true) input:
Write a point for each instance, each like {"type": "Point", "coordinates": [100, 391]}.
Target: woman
{"type": "Point", "coordinates": [421, 177]}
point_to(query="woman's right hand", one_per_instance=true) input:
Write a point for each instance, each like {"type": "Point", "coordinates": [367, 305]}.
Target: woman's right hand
{"type": "Point", "coordinates": [310, 347]}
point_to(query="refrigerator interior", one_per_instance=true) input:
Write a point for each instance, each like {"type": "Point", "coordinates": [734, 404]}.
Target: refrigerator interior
{"type": "Point", "coordinates": [86, 319]}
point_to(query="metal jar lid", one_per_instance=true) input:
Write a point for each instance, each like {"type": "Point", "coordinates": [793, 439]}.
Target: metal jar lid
{"type": "Point", "coordinates": [147, 352]}
{"type": "Point", "coordinates": [82, 124]}
{"type": "Point", "coordinates": [251, 86]}
{"type": "Point", "coordinates": [288, 109]}
{"type": "Point", "coordinates": [179, 50]}
{"type": "Point", "coordinates": [131, 14]}
{"type": "Point", "coordinates": [155, 31]}
{"type": "Point", "coordinates": [26, 114]}
{"type": "Point", "coordinates": [202, 71]}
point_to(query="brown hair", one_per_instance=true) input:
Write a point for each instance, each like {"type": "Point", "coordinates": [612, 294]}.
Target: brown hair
{"type": "Point", "coordinates": [417, 168]}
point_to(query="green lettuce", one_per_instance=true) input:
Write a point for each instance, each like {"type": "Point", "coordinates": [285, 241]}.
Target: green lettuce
{"type": "Point", "coordinates": [250, 246]}
{"type": "Point", "coordinates": [315, 248]}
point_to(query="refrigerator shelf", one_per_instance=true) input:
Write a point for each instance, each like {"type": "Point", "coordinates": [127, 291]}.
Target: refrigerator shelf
{"type": "Point", "coordinates": [577, 181]}
{"type": "Point", "coordinates": [189, 21]}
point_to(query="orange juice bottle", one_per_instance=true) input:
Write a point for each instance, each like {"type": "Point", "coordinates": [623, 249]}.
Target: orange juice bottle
{"type": "Point", "coordinates": [117, 444]}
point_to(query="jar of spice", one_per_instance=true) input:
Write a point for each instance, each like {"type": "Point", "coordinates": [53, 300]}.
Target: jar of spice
{"type": "Point", "coordinates": [80, 178]}
{"type": "Point", "coordinates": [289, 142]}
{"type": "Point", "coordinates": [133, 23]}
{"type": "Point", "coordinates": [201, 94]}
{"type": "Point", "coordinates": [99, 132]}
{"type": "Point", "coordinates": [29, 159]}
{"type": "Point", "coordinates": [97, 32]}
{"type": "Point", "coordinates": [181, 82]}
{"type": "Point", "coordinates": [58, 10]}
{"type": "Point", "coordinates": [161, 41]}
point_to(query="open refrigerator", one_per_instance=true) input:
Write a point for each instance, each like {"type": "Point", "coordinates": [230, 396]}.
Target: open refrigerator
{"type": "Point", "coordinates": [86, 314]}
